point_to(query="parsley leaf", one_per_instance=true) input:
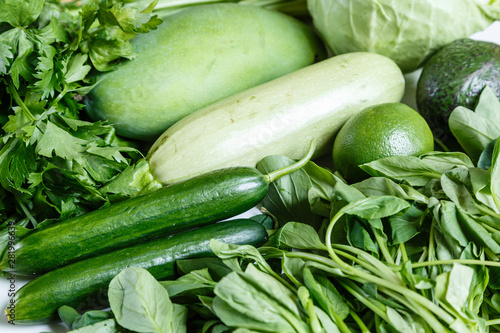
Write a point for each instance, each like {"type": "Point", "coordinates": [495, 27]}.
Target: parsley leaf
{"type": "Point", "coordinates": [54, 162]}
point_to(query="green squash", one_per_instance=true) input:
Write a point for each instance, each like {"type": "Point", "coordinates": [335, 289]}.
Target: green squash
{"type": "Point", "coordinates": [198, 56]}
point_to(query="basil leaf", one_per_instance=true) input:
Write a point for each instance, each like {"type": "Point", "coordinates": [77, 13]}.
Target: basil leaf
{"type": "Point", "coordinates": [457, 185]}
{"type": "Point", "coordinates": [444, 161]}
{"type": "Point", "coordinates": [481, 189]}
{"type": "Point", "coordinates": [488, 105]}
{"type": "Point", "coordinates": [453, 287]}
{"type": "Point", "coordinates": [376, 207]}
{"type": "Point", "coordinates": [287, 198]}
{"type": "Point", "coordinates": [485, 159]}
{"type": "Point", "coordinates": [408, 169]}
{"type": "Point", "coordinates": [298, 236]}
{"type": "Point", "coordinates": [477, 233]}
{"type": "Point", "coordinates": [326, 295]}
{"type": "Point", "coordinates": [141, 304]}
{"type": "Point", "coordinates": [406, 226]}
{"type": "Point", "coordinates": [472, 131]}
{"type": "Point", "coordinates": [379, 186]}
{"type": "Point", "coordinates": [106, 326]}
{"type": "Point", "coordinates": [449, 223]}
{"type": "Point", "coordinates": [194, 284]}
{"type": "Point", "coordinates": [74, 320]}
{"type": "Point", "coordinates": [257, 301]}
{"type": "Point", "coordinates": [495, 174]}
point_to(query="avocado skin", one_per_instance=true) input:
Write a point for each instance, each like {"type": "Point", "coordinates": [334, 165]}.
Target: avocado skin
{"type": "Point", "coordinates": [455, 76]}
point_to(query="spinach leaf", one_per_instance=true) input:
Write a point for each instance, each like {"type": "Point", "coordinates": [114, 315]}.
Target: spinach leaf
{"type": "Point", "coordinates": [476, 232]}
{"type": "Point", "coordinates": [141, 304]}
{"type": "Point", "coordinates": [326, 295]}
{"type": "Point", "coordinates": [215, 266]}
{"type": "Point", "coordinates": [255, 300]}
{"type": "Point", "coordinates": [379, 186]}
{"type": "Point", "coordinates": [292, 268]}
{"type": "Point", "coordinates": [74, 320]}
{"type": "Point", "coordinates": [407, 225]}
{"type": "Point", "coordinates": [488, 105]}
{"type": "Point", "coordinates": [376, 207]}
{"type": "Point", "coordinates": [481, 187]}
{"type": "Point", "coordinates": [195, 283]}
{"type": "Point", "coordinates": [456, 184]}
{"type": "Point", "coordinates": [452, 291]}
{"type": "Point", "coordinates": [474, 130]}
{"type": "Point", "coordinates": [408, 169]}
{"type": "Point", "coordinates": [495, 175]}
{"type": "Point", "coordinates": [444, 161]}
{"type": "Point", "coordinates": [287, 198]}
{"type": "Point", "coordinates": [473, 142]}
{"type": "Point", "coordinates": [485, 159]}
{"type": "Point", "coordinates": [448, 222]}
{"type": "Point", "coordinates": [298, 236]}
{"type": "Point", "coordinates": [105, 326]}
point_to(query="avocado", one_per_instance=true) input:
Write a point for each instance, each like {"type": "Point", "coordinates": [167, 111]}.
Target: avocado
{"type": "Point", "coordinates": [455, 76]}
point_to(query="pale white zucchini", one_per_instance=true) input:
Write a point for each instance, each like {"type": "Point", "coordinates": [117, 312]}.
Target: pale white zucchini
{"type": "Point", "coordinates": [278, 117]}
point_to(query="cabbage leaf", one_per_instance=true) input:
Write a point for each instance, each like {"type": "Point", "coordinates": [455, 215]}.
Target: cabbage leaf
{"type": "Point", "coordinates": [407, 31]}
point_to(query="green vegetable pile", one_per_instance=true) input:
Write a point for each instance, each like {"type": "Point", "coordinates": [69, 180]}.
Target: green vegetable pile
{"type": "Point", "coordinates": [55, 163]}
{"type": "Point", "coordinates": [413, 248]}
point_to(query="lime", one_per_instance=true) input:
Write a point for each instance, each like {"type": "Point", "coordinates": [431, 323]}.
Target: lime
{"type": "Point", "coordinates": [384, 130]}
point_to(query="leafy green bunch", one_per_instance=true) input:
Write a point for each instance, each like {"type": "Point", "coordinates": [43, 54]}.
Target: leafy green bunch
{"type": "Point", "coordinates": [54, 161]}
{"type": "Point", "coordinates": [413, 248]}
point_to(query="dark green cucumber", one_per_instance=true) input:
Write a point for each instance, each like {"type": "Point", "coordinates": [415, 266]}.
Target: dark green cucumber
{"type": "Point", "coordinates": [193, 203]}
{"type": "Point", "coordinates": [83, 284]}
{"type": "Point", "coordinates": [199, 201]}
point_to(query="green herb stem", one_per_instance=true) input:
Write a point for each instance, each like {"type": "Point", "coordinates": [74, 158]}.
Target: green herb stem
{"type": "Point", "coordinates": [491, 255]}
{"type": "Point", "coordinates": [490, 227]}
{"type": "Point", "coordinates": [19, 101]}
{"type": "Point", "coordinates": [58, 98]}
{"type": "Point", "coordinates": [418, 309]}
{"type": "Point", "coordinates": [328, 240]}
{"type": "Point", "coordinates": [456, 261]}
{"type": "Point", "coordinates": [361, 276]}
{"type": "Point", "coordinates": [410, 294]}
{"type": "Point", "coordinates": [382, 245]}
{"type": "Point", "coordinates": [379, 267]}
{"type": "Point", "coordinates": [26, 211]}
{"type": "Point", "coordinates": [272, 176]}
{"type": "Point", "coordinates": [431, 247]}
{"type": "Point", "coordinates": [441, 144]}
{"type": "Point", "coordinates": [359, 322]}
{"type": "Point", "coordinates": [340, 323]}
{"type": "Point", "coordinates": [493, 322]}
{"type": "Point", "coordinates": [357, 293]}
{"type": "Point", "coordinates": [404, 255]}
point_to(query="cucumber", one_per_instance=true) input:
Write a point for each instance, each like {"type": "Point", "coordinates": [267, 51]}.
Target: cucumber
{"type": "Point", "coordinates": [199, 201]}
{"type": "Point", "coordinates": [276, 118]}
{"type": "Point", "coordinates": [198, 56]}
{"type": "Point", "coordinates": [83, 284]}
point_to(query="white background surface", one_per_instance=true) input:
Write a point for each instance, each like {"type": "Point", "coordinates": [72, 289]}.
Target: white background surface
{"type": "Point", "coordinates": [491, 34]}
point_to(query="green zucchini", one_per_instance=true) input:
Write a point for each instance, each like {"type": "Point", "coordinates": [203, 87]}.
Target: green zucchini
{"type": "Point", "coordinates": [276, 118]}
{"type": "Point", "coordinates": [196, 57]}
{"type": "Point", "coordinates": [83, 284]}
{"type": "Point", "coordinates": [199, 201]}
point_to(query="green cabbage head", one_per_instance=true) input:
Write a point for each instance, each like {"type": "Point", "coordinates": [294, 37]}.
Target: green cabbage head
{"type": "Point", "coordinates": [407, 31]}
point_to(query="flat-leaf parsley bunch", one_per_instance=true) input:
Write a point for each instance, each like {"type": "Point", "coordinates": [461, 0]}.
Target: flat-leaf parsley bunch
{"type": "Point", "coordinates": [53, 161]}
